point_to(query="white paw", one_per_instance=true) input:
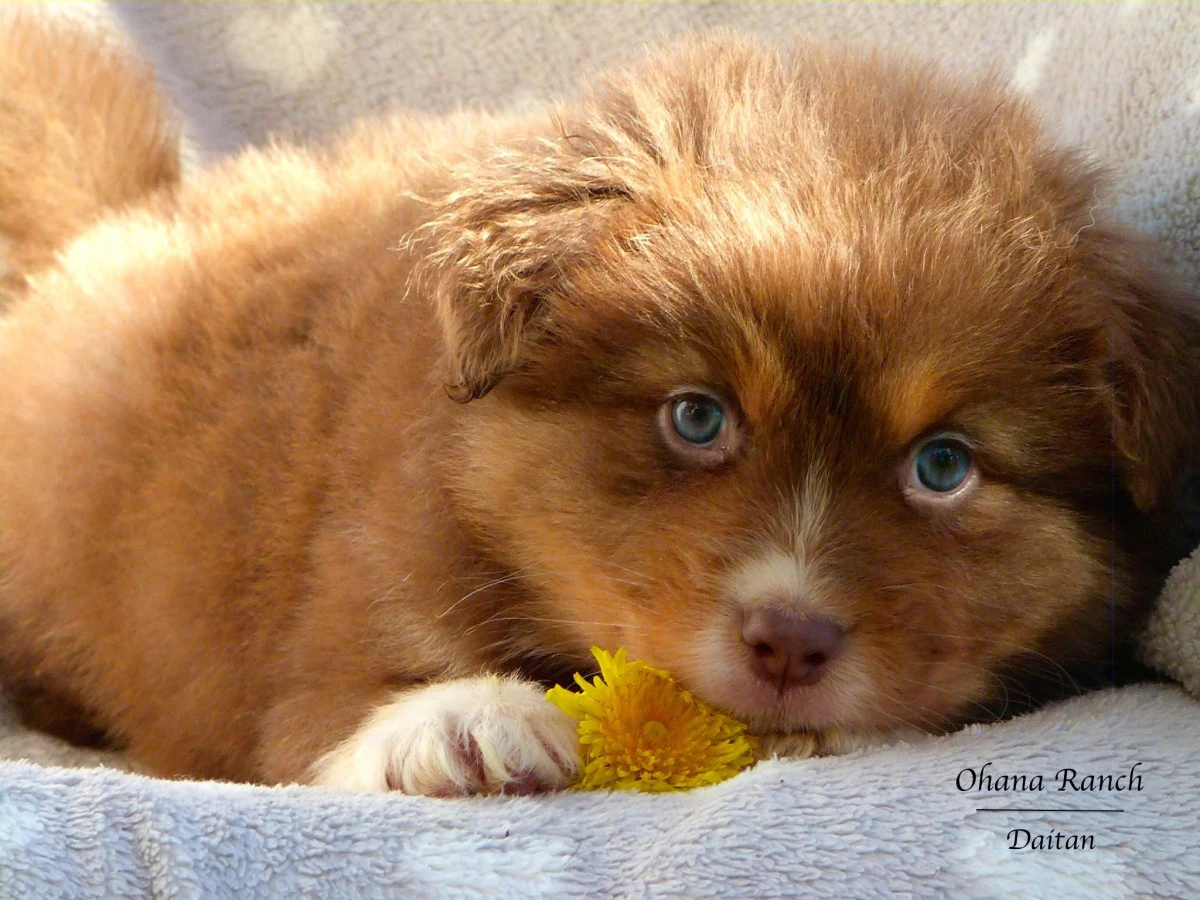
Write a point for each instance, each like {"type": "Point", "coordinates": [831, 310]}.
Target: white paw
{"type": "Point", "coordinates": [471, 736]}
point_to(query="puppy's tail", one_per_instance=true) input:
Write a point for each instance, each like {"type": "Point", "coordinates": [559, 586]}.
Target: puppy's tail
{"type": "Point", "coordinates": [83, 130]}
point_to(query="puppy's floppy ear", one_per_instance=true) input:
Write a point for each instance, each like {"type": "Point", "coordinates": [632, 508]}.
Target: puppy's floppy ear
{"type": "Point", "coordinates": [504, 244]}
{"type": "Point", "coordinates": [1150, 347]}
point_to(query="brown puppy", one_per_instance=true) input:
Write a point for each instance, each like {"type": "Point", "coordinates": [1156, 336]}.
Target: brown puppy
{"type": "Point", "coordinates": [811, 376]}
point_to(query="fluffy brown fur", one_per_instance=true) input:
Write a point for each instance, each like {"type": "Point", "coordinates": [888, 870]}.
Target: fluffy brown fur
{"type": "Point", "coordinates": [284, 445]}
{"type": "Point", "coordinates": [84, 133]}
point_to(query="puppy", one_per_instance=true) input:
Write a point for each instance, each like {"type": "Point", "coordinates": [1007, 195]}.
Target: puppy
{"type": "Point", "coordinates": [813, 376]}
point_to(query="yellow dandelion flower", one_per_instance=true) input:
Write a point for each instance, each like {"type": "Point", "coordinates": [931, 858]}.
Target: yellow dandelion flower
{"type": "Point", "coordinates": [639, 730]}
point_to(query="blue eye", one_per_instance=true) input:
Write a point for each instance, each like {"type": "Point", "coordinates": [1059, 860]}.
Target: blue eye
{"type": "Point", "coordinates": [942, 464]}
{"type": "Point", "coordinates": [697, 419]}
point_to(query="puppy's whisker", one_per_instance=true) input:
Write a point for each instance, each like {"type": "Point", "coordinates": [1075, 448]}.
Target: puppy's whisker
{"type": "Point", "coordinates": [543, 620]}
{"type": "Point", "coordinates": [960, 701]}
{"type": "Point", "coordinates": [465, 597]}
{"type": "Point", "coordinates": [922, 716]}
{"type": "Point", "coordinates": [1056, 665]}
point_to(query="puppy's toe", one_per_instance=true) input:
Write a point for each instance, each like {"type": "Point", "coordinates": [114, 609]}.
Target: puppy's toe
{"type": "Point", "coordinates": [484, 735]}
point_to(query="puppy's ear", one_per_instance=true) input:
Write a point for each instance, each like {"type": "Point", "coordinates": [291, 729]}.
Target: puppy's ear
{"type": "Point", "coordinates": [1150, 347]}
{"type": "Point", "coordinates": [504, 244]}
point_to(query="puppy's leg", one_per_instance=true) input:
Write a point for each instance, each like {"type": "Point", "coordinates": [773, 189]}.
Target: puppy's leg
{"type": "Point", "coordinates": [469, 736]}
{"type": "Point", "coordinates": [82, 131]}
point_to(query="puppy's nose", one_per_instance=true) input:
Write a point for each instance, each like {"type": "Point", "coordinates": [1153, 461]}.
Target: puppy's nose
{"type": "Point", "coordinates": [789, 650]}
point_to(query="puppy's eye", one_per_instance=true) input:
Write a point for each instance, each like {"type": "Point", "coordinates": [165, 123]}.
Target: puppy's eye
{"type": "Point", "coordinates": [697, 419]}
{"type": "Point", "coordinates": [942, 465]}
{"type": "Point", "coordinates": [700, 428]}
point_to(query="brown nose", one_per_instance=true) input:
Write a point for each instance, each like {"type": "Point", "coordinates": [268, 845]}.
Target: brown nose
{"type": "Point", "coordinates": [789, 650]}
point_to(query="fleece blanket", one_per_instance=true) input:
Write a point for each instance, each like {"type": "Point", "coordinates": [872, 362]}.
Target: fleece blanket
{"type": "Point", "coordinates": [1095, 797]}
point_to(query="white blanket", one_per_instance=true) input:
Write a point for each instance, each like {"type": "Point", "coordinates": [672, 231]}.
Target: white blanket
{"type": "Point", "coordinates": [889, 822]}
{"type": "Point", "coordinates": [1122, 78]}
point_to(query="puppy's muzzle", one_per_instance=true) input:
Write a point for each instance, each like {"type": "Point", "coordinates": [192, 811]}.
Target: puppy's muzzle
{"type": "Point", "coordinates": [788, 650]}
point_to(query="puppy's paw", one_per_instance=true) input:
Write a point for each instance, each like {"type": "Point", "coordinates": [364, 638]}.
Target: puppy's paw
{"type": "Point", "coordinates": [831, 742]}
{"type": "Point", "coordinates": [484, 735]}
{"type": "Point", "coordinates": [798, 745]}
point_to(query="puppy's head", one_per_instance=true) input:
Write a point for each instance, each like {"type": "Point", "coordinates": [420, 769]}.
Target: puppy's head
{"type": "Point", "coordinates": [817, 381]}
